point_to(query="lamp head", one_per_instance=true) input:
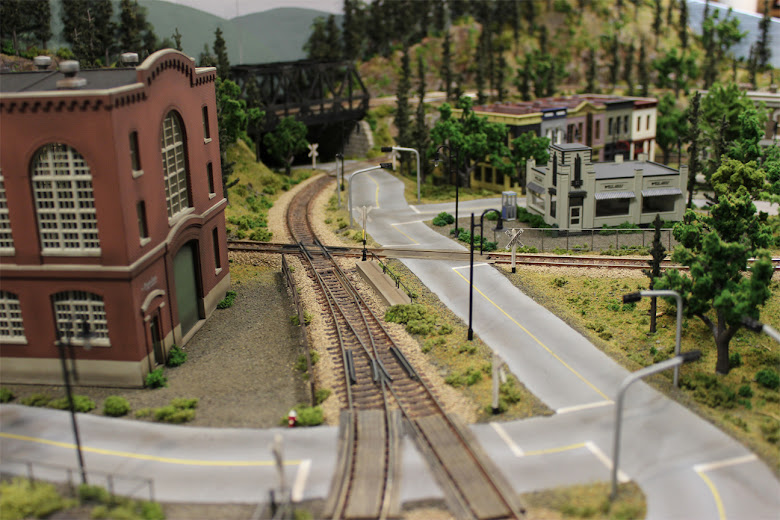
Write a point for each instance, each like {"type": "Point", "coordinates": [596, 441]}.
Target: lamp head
{"type": "Point", "coordinates": [339, 156]}
{"type": "Point", "coordinates": [632, 297]}
{"type": "Point", "coordinates": [500, 225]}
{"type": "Point", "coordinates": [386, 165]}
{"type": "Point", "coordinates": [387, 149]}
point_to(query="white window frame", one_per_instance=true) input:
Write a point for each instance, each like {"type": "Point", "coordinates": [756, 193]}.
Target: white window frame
{"type": "Point", "coordinates": [173, 148]}
{"type": "Point", "coordinates": [11, 323]}
{"type": "Point", "coordinates": [71, 307]}
{"type": "Point", "coordinates": [64, 202]}
{"type": "Point", "coordinates": [6, 237]}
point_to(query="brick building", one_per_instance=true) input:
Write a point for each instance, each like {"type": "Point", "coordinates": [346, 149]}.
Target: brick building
{"type": "Point", "coordinates": [111, 211]}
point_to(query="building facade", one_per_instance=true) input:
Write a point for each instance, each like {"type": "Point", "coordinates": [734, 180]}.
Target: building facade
{"type": "Point", "coordinates": [573, 192]}
{"type": "Point", "coordinates": [609, 125]}
{"type": "Point", "coordinates": [111, 212]}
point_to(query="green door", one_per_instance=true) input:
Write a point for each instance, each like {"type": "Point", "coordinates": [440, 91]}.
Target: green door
{"type": "Point", "coordinates": [184, 271]}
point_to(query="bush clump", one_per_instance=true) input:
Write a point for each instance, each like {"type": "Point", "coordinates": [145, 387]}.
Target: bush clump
{"type": "Point", "coordinates": [171, 414]}
{"type": "Point", "coordinates": [6, 396]}
{"type": "Point", "coordinates": [443, 219]}
{"type": "Point", "coordinates": [81, 403]}
{"type": "Point", "coordinates": [768, 378]}
{"type": "Point", "coordinates": [156, 379]}
{"type": "Point", "coordinates": [710, 390]}
{"type": "Point", "coordinates": [36, 400]}
{"type": "Point", "coordinates": [321, 394]}
{"type": "Point", "coordinates": [115, 406]}
{"type": "Point", "coordinates": [227, 302]}
{"type": "Point", "coordinates": [176, 357]}
{"type": "Point", "coordinates": [307, 415]}
{"type": "Point", "coordinates": [20, 498]}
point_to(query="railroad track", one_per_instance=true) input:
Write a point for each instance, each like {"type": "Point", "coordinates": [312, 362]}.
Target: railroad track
{"type": "Point", "coordinates": [601, 262]}
{"type": "Point", "coordinates": [381, 390]}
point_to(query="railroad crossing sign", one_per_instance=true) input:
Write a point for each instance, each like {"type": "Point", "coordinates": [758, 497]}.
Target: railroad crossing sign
{"type": "Point", "coordinates": [313, 154]}
{"type": "Point", "coordinates": [499, 374]}
{"type": "Point", "coordinates": [514, 241]}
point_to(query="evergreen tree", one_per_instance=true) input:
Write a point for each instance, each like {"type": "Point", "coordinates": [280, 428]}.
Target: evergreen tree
{"type": "Point", "coordinates": [41, 14]}
{"type": "Point", "coordinates": [479, 66]}
{"type": "Point", "coordinates": [177, 39]}
{"type": "Point", "coordinates": [420, 129]}
{"type": "Point", "coordinates": [644, 72]}
{"type": "Point", "coordinates": [129, 31]}
{"type": "Point", "coordinates": [670, 13]}
{"type": "Point", "coordinates": [402, 112]}
{"type": "Point", "coordinates": [682, 28]}
{"type": "Point", "coordinates": [614, 59]}
{"type": "Point", "coordinates": [333, 38]}
{"type": "Point", "coordinates": [104, 28]}
{"type": "Point", "coordinates": [670, 126]}
{"type": "Point", "coordinates": [220, 51]}
{"type": "Point", "coordinates": [446, 65]}
{"type": "Point", "coordinates": [87, 26]}
{"type": "Point", "coordinates": [205, 58]}
{"type": "Point", "coordinates": [590, 75]}
{"type": "Point", "coordinates": [763, 50]}
{"type": "Point", "coordinates": [352, 29]}
{"type": "Point", "coordinates": [628, 68]}
{"type": "Point", "coordinates": [316, 47]}
{"type": "Point", "coordinates": [657, 21]}
{"type": "Point", "coordinates": [694, 138]}
{"type": "Point", "coordinates": [658, 254]}
{"type": "Point", "coordinates": [501, 78]}
{"type": "Point", "coordinates": [522, 80]}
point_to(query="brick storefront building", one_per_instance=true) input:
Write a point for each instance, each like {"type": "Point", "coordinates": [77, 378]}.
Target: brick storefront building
{"type": "Point", "coordinates": [111, 211]}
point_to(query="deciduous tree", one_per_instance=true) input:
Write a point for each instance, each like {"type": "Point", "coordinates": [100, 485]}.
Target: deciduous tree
{"type": "Point", "coordinates": [671, 125]}
{"type": "Point", "coordinates": [527, 146]}
{"type": "Point", "coordinates": [657, 254]}
{"type": "Point", "coordinates": [286, 140]}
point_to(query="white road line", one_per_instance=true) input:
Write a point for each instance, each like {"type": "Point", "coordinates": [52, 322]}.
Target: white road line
{"type": "Point", "coordinates": [622, 477]}
{"type": "Point", "coordinates": [507, 439]}
{"type": "Point", "coordinates": [300, 480]}
{"type": "Point", "coordinates": [699, 468]}
{"type": "Point", "coordinates": [580, 407]}
{"type": "Point", "coordinates": [414, 208]}
{"type": "Point", "coordinates": [465, 266]}
{"type": "Point", "coordinates": [405, 223]}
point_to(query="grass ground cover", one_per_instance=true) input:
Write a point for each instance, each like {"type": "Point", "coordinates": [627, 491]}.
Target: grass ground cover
{"type": "Point", "coordinates": [742, 403]}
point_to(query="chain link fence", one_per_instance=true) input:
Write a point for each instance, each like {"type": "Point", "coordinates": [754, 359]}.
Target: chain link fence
{"type": "Point", "coordinates": [636, 240]}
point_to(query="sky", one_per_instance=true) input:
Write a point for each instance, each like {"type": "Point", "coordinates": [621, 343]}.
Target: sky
{"type": "Point", "coordinates": [232, 8]}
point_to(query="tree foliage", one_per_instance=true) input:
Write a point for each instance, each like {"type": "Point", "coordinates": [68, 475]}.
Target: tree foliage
{"type": "Point", "coordinates": [716, 248]}
{"type": "Point", "coordinates": [324, 42]}
{"type": "Point", "coordinates": [671, 125]}
{"type": "Point", "coordinates": [220, 51]}
{"type": "Point", "coordinates": [403, 110]}
{"type": "Point", "coordinates": [25, 23]}
{"type": "Point", "coordinates": [527, 146]}
{"type": "Point", "coordinates": [286, 140]}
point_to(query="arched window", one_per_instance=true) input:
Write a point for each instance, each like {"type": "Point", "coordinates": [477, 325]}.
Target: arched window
{"type": "Point", "coordinates": [6, 238]}
{"type": "Point", "coordinates": [73, 307]}
{"type": "Point", "coordinates": [64, 201]}
{"type": "Point", "coordinates": [175, 169]}
{"type": "Point", "coordinates": [11, 326]}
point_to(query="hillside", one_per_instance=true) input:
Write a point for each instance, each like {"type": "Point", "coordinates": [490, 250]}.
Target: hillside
{"type": "Point", "coordinates": [273, 35]}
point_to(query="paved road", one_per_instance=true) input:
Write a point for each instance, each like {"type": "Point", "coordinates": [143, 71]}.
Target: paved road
{"type": "Point", "coordinates": [687, 468]}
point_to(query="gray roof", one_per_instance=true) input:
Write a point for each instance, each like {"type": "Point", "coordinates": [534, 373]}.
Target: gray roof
{"type": "Point", "coordinates": [625, 169]}
{"type": "Point", "coordinates": [40, 81]}
{"type": "Point", "coordinates": [566, 147]}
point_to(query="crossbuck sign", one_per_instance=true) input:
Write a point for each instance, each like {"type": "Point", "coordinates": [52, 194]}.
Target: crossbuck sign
{"type": "Point", "coordinates": [514, 241]}
{"type": "Point", "coordinates": [313, 154]}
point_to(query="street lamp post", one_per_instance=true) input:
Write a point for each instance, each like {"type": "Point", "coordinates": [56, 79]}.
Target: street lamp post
{"type": "Point", "coordinates": [457, 174]}
{"type": "Point", "coordinates": [636, 376]}
{"type": "Point", "coordinates": [65, 341]}
{"type": "Point", "coordinates": [339, 180]}
{"type": "Point", "coordinates": [635, 297]}
{"type": "Point", "coordinates": [402, 149]}
{"type": "Point", "coordinates": [499, 227]}
{"type": "Point", "coordinates": [757, 326]}
{"type": "Point", "coordinates": [382, 166]}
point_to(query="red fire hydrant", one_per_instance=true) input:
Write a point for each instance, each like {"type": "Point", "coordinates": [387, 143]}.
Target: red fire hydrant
{"type": "Point", "coordinates": [292, 418]}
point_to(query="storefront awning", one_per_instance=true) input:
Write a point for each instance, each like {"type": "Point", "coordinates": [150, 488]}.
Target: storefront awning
{"type": "Point", "coordinates": [659, 192]}
{"type": "Point", "coordinates": [535, 188]}
{"type": "Point", "coordinates": [606, 195]}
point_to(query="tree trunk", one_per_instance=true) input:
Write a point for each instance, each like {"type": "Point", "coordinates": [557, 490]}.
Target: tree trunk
{"type": "Point", "coordinates": [722, 341]}
{"type": "Point", "coordinates": [652, 312]}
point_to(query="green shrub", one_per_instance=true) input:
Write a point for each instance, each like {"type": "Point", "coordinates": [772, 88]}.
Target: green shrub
{"type": "Point", "coordinates": [455, 379]}
{"type": "Point", "coordinates": [261, 235]}
{"type": "Point", "coordinates": [36, 400]}
{"type": "Point", "coordinates": [93, 494]}
{"type": "Point", "coordinates": [309, 415]}
{"type": "Point", "coordinates": [321, 394]}
{"type": "Point", "coordinates": [143, 412]}
{"type": "Point", "coordinates": [115, 406]}
{"type": "Point", "coordinates": [20, 498]}
{"type": "Point", "coordinates": [710, 390]}
{"type": "Point", "coordinates": [745, 391]}
{"type": "Point", "coordinates": [405, 312]}
{"type": "Point", "coordinates": [768, 378]}
{"type": "Point", "coordinates": [182, 403]}
{"type": "Point", "coordinates": [421, 327]}
{"type": "Point", "coordinates": [509, 391]}
{"type": "Point", "coordinates": [295, 320]}
{"type": "Point", "coordinates": [468, 348]}
{"type": "Point", "coordinates": [176, 357]}
{"type": "Point", "coordinates": [770, 429]}
{"type": "Point", "coordinates": [473, 377]}
{"type": "Point", "coordinates": [156, 378]}
{"type": "Point", "coordinates": [171, 414]}
{"type": "Point", "coordinates": [6, 396]}
{"type": "Point", "coordinates": [227, 302]}
{"type": "Point", "coordinates": [527, 249]}
{"type": "Point", "coordinates": [443, 219]}
{"type": "Point", "coordinates": [559, 282]}
{"type": "Point", "coordinates": [445, 329]}
{"type": "Point", "coordinates": [81, 403]}
{"type": "Point", "coordinates": [735, 360]}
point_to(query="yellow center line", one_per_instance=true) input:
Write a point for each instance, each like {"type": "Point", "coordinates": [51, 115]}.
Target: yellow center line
{"type": "Point", "coordinates": [553, 354]}
{"type": "Point", "coordinates": [376, 193]}
{"type": "Point", "coordinates": [140, 456]}
{"type": "Point", "coordinates": [715, 495]}
{"type": "Point", "coordinates": [395, 226]}
{"type": "Point", "coordinates": [556, 450]}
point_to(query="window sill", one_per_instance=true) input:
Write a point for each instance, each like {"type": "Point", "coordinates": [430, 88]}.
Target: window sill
{"type": "Point", "coordinates": [207, 140]}
{"type": "Point", "coordinates": [180, 215]}
{"type": "Point", "coordinates": [217, 271]}
{"type": "Point", "coordinates": [8, 252]}
{"type": "Point", "coordinates": [13, 340]}
{"type": "Point", "coordinates": [212, 195]}
{"type": "Point", "coordinates": [145, 241]}
{"type": "Point", "coordinates": [137, 173]}
{"type": "Point", "coordinates": [71, 252]}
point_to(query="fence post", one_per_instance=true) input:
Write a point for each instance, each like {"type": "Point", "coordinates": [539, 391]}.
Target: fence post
{"type": "Point", "coordinates": [592, 234]}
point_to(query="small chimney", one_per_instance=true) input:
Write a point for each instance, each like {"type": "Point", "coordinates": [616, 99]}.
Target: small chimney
{"type": "Point", "coordinates": [70, 69]}
{"type": "Point", "coordinates": [42, 62]}
{"type": "Point", "coordinates": [619, 158]}
{"type": "Point", "coordinates": [642, 157]}
{"type": "Point", "coordinates": [129, 58]}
